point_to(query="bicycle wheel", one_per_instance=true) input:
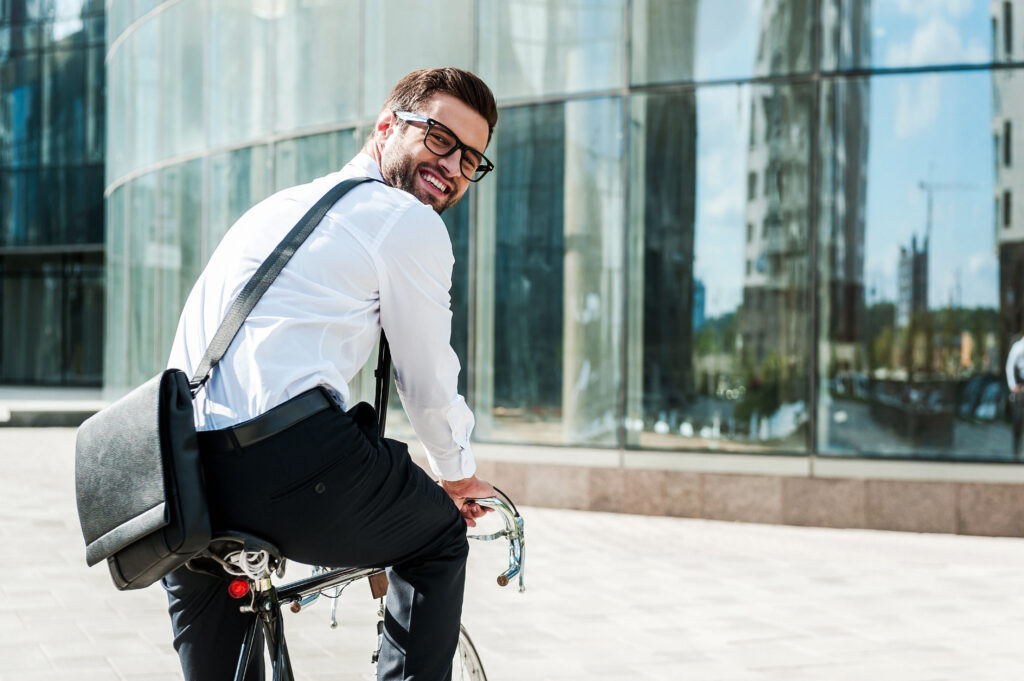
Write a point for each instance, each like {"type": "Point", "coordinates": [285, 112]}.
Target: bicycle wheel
{"type": "Point", "coordinates": [467, 665]}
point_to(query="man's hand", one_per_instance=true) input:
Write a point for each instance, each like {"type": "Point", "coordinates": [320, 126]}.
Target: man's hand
{"type": "Point", "coordinates": [469, 488]}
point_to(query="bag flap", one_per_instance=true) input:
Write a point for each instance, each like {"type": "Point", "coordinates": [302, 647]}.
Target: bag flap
{"type": "Point", "coordinates": [119, 472]}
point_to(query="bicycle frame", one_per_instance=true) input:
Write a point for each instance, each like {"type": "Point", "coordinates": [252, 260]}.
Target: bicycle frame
{"type": "Point", "coordinates": [267, 599]}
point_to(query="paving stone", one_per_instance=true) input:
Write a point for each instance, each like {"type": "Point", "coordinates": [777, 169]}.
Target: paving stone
{"type": "Point", "coordinates": [609, 597]}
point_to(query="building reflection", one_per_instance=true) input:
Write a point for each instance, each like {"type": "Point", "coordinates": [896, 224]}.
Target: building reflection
{"type": "Point", "coordinates": [774, 315]}
{"type": "Point", "coordinates": [669, 161]}
{"type": "Point", "coordinates": [692, 238]}
{"type": "Point", "coordinates": [1008, 117]}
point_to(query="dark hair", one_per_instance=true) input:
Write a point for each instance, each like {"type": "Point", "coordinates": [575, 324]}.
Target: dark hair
{"type": "Point", "coordinates": [420, 85]}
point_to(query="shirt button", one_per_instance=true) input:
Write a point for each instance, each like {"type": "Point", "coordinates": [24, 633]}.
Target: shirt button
{"type": "Point", "coordinates": [320, 488]}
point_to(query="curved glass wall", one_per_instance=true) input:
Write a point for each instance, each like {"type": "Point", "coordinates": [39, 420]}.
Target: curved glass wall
{"type": "Point", "coordinates": [51, 192]}
{"type": "Point", "coordinates": [783, 227]}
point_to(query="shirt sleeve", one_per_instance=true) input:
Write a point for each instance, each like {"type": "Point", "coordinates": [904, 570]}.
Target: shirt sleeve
{"type": "Point", "coordinates": [415, 312]}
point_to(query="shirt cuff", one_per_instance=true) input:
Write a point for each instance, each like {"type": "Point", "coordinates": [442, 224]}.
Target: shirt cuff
{"type": "Point", "coordinates": [458, 464]}
{"type": "Point", "coordinates": [457, 467]}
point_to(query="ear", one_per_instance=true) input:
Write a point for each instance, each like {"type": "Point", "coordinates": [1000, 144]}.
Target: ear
{"type": "Point", "coordinates": [385, 124]}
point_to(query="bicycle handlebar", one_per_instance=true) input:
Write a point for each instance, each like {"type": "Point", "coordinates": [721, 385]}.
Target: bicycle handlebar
{"type": "Point", "coordinates": [514, 532]}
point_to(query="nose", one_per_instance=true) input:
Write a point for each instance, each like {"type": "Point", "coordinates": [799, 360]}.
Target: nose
{"type": "Point", "coordinates": [450, 163]}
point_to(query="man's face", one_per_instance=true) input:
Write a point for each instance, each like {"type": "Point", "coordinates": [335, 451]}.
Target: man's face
{"type": "Point", "coordinates": [407, 164]}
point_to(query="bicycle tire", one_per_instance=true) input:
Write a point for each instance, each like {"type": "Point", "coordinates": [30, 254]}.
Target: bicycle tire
{"type": "Point", "coordinates": [467, 665]}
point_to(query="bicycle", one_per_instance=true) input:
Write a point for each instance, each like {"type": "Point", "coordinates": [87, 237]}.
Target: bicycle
{"type": "Point", "coordinates": [252, 563]}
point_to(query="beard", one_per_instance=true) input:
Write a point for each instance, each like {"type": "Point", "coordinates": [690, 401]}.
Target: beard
{"type": "Point", "coordinates": [402, 173]}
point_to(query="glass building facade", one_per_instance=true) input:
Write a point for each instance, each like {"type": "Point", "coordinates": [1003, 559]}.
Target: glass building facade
{"type": "Point", "coordinates": [52, 139]}
{"type": "Point", "coordinates": [778, 228]}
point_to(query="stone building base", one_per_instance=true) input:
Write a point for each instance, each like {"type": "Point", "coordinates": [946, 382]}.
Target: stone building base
{"type": "Point", "coordinates": [988, 499]}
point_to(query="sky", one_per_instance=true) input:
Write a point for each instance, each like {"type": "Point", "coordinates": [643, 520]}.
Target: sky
{"type": "Point", "coordinates": [923, 128]}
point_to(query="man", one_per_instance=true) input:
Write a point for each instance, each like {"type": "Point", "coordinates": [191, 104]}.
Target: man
{"type": "Point", "coordinates": [1014, 374]}
{"type": "Point", "coordinates": [325, 489]}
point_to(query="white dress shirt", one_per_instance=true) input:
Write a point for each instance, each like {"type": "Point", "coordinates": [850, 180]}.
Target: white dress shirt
{"type": "Point", "coordinates": [1015, 359]}
{"type": "Point", "coordinates": [378, 258]}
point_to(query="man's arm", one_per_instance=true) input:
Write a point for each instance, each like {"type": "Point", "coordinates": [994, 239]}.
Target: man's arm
{"type": "Point", "coordinates": [416, 315]}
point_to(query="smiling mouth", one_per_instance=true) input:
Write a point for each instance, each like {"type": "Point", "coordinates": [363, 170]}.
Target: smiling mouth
{"type": "Point", "coordinates": [435, 182]}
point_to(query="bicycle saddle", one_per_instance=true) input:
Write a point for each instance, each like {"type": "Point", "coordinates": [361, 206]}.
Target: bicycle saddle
{"type": "Point", "coordinates": [234, 553]}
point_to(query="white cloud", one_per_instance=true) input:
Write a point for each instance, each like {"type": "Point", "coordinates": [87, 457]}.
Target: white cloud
{"type": "Point", "coordinates": [917, 105]}
{"type": "Point", "coordinates": [726, 204]}
{"type": "Point", "coordinates": [982, 263]}
{"type": "Point", "coordinates": [937, 41]}
{"type": "Point", "coordinates": [981, 285]}
{"type": "Point", "coordinates": [926, 8]}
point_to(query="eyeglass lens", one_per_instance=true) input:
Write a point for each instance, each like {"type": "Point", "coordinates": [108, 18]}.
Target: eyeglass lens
{"type": "Point", "coordinates": [441, 141]}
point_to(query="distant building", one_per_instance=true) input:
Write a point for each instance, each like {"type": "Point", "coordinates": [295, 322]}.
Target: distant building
{"type": "Point", "coordinates": [777, 211]}
{"type": "Point", "coordinates": [912, 295]}
{"type": "Point", "coordinates": [1007, 127]}
{"type": "Point", "coordinates": [52, 139]}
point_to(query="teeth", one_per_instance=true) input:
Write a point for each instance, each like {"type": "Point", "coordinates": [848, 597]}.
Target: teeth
{"type": "Point", "coordinates": [432, 180]}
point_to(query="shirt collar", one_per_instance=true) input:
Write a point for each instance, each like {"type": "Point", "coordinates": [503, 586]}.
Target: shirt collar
{"type": "Point", "coordinates": [367, 166]}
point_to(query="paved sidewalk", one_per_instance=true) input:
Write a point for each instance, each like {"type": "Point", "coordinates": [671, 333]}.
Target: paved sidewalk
{"type": "Point", "coordinates": [609, 597]}
{"type": "Point", "coordinates": [31, 406]}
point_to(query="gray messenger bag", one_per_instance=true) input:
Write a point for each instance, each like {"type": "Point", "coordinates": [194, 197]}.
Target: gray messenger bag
{"type": "Point", "coordinates": [138, 475]}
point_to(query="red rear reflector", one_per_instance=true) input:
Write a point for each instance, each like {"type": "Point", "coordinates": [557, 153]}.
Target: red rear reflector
{"type": "Point", "coordinates": [238, 588]}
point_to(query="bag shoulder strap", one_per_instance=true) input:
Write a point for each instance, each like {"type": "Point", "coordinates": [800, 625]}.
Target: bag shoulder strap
{"type": "Point", "coordinates": [383, 376]}
{"type": "Point", "coordinates": [263, 277]}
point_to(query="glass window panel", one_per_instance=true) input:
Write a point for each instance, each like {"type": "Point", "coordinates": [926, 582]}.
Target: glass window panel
{"type": "Point", "coordinates": [64, 34]}
{"type": "Point", "coordinates": [56, 10]}
{"type": "Point", "coordinates": [429, 38]}
{"type": "Point", "coordinates": [143, 96]}
{"type": "Point", "coordinates": [895, 33]}
{"type": "Point", "coordinates": [303, 159]}
{"type": "Point", "coordinates": [237, 181]}
{"type": "Point", "coordinates": [32, 301]}
{"type": "Point", "coordinates": [314, 39]}
{"type": "Point", "coordinates": [143, 308]}
{"type": "Point", "coordinates": [187, 201]}
{"type": "Point", "coordinates": [718, 355]}
{"type": "Point", "coordinates": [21, 208]}
{"type": "Point", "coordinates": [64, 112]}
{"type": "Point", "coordinates": [166, 250]}
{"type": "Point", "coordinates": [73, 210]}
{"type": "Point", "coordinates": [82, 332]}
{"type": "Point", "coordinates": [532, 48]}
{"type": "Point", "coordinates": [119, 115]}
{"type": "Point", "coordinates": [548, 352]}
{"type": "Point", "coordinates": [95, 105]}
{"type": "Point", "coordinates": [95, 30]}
{"type": "Point", "coordinates": [115, 353]}
{"type": "Point", "coordinates": [716, 39]}
{"type": "Point", "coordinates": [19, 38]}
{"type": "Point", "coordinates": [921, 283]}
{"type": "Point", "coordinates": [25, 10]}
{"type": "Point", "coordinates": [20, 111]}
{"type": "Point", "coordinates": [144, 7]}
{"type": "Point", "coordinates": [181, 78]}
{"type": "Point", "coordinates": [240, 70]}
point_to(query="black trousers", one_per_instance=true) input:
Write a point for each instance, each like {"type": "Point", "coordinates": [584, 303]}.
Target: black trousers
{"type": "Point", "coordinates": [328, 492]}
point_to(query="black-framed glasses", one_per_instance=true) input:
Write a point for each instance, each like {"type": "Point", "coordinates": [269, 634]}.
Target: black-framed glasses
{"type": "Point", "coordinates": [441, 141]}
